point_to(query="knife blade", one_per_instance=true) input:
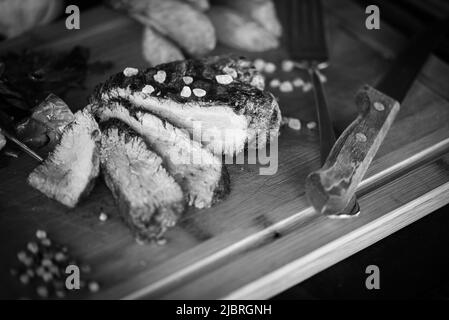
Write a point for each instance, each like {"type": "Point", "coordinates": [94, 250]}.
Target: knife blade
{"type": "Point", "coordinates": [7, 131]}
{"type": "Point", "coordinates": [332, 187]}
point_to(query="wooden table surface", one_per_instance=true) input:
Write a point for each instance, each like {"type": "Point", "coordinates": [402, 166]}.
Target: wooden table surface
{"type": "Point", "coordinates": [265, 237]}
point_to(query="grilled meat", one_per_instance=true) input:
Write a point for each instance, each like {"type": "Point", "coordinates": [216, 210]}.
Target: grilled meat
{"type": "Point", "coordinates": [149, 199]}
{"type": "Point", "coordinates": [202, 176]}
{"type": "Point", "coordinates": [201, 96]}
{"type": "Point", "coordinates": [46, 123]}
{"type": "Point", "coordinates": [70, 170]}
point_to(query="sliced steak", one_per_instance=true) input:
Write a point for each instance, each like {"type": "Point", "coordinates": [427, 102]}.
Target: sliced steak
{"type": "Point", "coordinates": [198, 95]}
{"type": "Point", "coordinates": [202, 176]}
{"type": "Point", "coordinates": [70, 170]}
{"type": "Point", "coordinates": [149, 199]}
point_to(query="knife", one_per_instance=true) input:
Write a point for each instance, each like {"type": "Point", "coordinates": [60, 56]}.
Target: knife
{"type": "Point", "coordinates": [332, 187]}
{"type": "Point", "coordinates": [7, 131]}
{"type": "Point", "coordinates": [307, 45]}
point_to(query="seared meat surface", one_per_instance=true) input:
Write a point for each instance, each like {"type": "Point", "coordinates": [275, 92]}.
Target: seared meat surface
{"type": "Point", "coordinates": [220, 110]}
{"type": "Point", "coordinates": [202, 176]}
{"type": "Point", "coordinates": [70, 170]}
{"type": "Point", "coordinates": [148, 198]}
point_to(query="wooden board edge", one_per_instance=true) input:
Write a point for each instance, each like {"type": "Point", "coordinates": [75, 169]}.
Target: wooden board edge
{"type": "Point", "coordinates": [301, 269]}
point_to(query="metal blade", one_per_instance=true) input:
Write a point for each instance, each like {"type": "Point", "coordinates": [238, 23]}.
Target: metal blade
{"type": "Point", "coordinates": [408, 64]}
{"type": "Point", "coordinates": [7, 130]}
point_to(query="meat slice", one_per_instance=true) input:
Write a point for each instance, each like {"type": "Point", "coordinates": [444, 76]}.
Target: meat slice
{"type": "Point", "coordinates": [216, 108]}
{"type": "Point", "coordinates": [148, 198]}
{"type": "Point", "coordinates": [202, 176]}
{"type": "Point", "coordinates": [70, 170]}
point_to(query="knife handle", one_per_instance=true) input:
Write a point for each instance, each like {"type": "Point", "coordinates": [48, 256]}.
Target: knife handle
{"type": "Point", "coordinates": [330, 188]}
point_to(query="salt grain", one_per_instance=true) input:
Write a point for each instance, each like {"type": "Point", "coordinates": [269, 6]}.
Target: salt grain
{"type": "Point", "coordinates": [47, 277]}
{"type": "Point", "coordinates": [360, 137]}
{"type": "Point", "coordinates": [40, 271]}
{"type": "Point", "coordinates": [259, 64]}
{"type": "Point", "coordinates": [94, 286]}
{"type": "Point", "coordinates": [103, 217]}
{"type": "Point", "coordinates": [275, 83]}
{"type": "Point", "coordinates": [129, 72]}
{"type": "Point", "coordinates": [286, 86]}
{"type": "Point", "coordinates": [307, 87]}
{"type": "Point", "coordinates": [288, 65]}
{"type": "Point", "coordinates": [199, 92]}
{"type": "Point", "coordinates": [224, 79]}
{"type": "Point", "coordinates": [59, 257]}
{"type": "Point", "coordinates": [32, 247]}
{"type": "Point", "coordinates": [148, 89]}
{"type": "Point", "coordinates": [187, 80]}
{"type": "Point", "coordinates": [379, 106]}
{"type": "Point", "coordinates": [311, 125]}
{"type": "Point", "coordinates": [24, 279]}
{"type": "Point", "coordinates": [294, 124]}
{"type": "Point", "coordinates": [186, 92]}
{"type": "Point", "coordinates": [46, 242]}
{"type": "Point", "coordinates": [270, 67]}
{"type": "Point", "coordinates": [41, 234]}
{"type": "Point", "coordinates": [42, 292]}
{"type": "Point", "coordinates": [30, 273]}
{"type": "Point", "coordinates": [22, 256]}
{"type": "Point", "coordinates": [47, 263]}
{"type": "Point", "coordinates": [160, 76]}
{"type": "Point", "coordinates": [322, 77]}
{"type": "Point", "coordinates": [298, 82]}
{"type": "Point", "coordinates": [231, 71]}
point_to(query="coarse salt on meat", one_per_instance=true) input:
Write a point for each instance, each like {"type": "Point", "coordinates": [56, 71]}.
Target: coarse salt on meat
{"type": "Point", "coordinates": [148, 89]}
{"type": "Point", "coordinates": [129, 72]}
{"type": "Point", "coordinates": [187, 80]}
{"type": "Point", "coordinates": [199, 92]}
{"type": "Point", "coordinates": [186, 92]}
{"type": "Point", "coordinates": [160, 76]}
{"type": "Point", "coordinates": [224, 79]}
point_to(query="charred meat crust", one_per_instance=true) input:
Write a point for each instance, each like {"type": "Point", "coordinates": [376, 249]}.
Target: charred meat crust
{"type": "Point", "coordinates": [150, 218]}
{"type": "Point", "coordinates": [240, 96]}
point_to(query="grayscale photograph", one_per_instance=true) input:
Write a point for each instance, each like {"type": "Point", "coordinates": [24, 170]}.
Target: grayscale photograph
{"type": "Point", "coordinates": [254, 151]}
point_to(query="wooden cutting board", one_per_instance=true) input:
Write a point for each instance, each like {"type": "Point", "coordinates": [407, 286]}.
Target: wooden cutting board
{"type": "Point", "coordinates": [265, 237]}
